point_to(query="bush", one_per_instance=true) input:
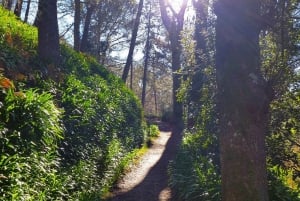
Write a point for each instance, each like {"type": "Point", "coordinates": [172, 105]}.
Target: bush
{"type": "Point", "coordinates": [193, 173]}
{"type": "Point", "coordinates": [30, 130]}
{"type": "Point", "coordinates": [153, 131]}
{"type": "Point", "coordinates": [279, 189]}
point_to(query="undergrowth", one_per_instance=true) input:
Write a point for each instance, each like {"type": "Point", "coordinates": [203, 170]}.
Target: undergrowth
{"type": "Point", "coordinates": [66, 133]}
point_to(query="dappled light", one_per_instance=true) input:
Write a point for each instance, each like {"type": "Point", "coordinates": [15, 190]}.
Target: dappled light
{"type": "Point", "coordinates": [149, 100]}
{"type": "Point", "coordinates": [148, 180]}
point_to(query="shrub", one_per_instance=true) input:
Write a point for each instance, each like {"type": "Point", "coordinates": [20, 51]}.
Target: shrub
{"type": "Point", "coordinates": [193, 174]}
{"type": "Point", "coordinates": [153, 131]}
{"type": "Point", "coordinates": [30, 130]}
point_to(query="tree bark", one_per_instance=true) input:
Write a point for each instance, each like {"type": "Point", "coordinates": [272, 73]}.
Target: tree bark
{"type": "Point", "coordinates": [201, 56]}
{"type": "Point", "coordinates": [133, 41]}
{"type": "Point", "coordinates": [147, 56]}
{"type": "Point", "coordinates": [202, 61]}
{"type": "Point", "coordinates": [48, 36]}
{"type": "Point", "coordinates": [77, 25]}
{"type": "Point", "coordinates": [27, 11]}
{"type": "Point", "coordinates": [18, 8]}
{"type": "Point", "coordinates": [7, 4]}
{"type": "Point", "coordinates": [86, 28]}
{"type": "Point", "coordinates": [242, 101]}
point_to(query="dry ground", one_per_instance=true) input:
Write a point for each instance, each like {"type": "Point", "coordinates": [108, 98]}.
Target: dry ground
{"type": "Point", "coordinates": [148, 180]}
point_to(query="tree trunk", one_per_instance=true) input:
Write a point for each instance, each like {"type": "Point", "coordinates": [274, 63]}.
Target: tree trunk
{"type": "Point", "coordinates": [174, 26]}
{"type": "Point", "coordinates": [131, 76]}
{"type": "Point", "coordinates": [201, 56]}
{"type": "Point", "coordinates": [7, 4]}
{"type": "Point", "coordinates": [86, 28]}
{"type": "Point", "coordinates": [18, 8]}
{"type": "Point", "coordinates": [147, 55]}
{"type": "Point", "coordinates": [77, 25]}
{"type": "Point", "coordinates": [133, 40]}
{"type": "Point", "coordinates": [48, 36]}
{"type": "Point", "coordinates": [177, 106]}
{"type": "Point", "coordinates": [242, 101]}
{"type": "Point", "coordinates": [154, 85]}
{"type": "Point", "coordinates": [27, 11]}
{"type": "Point", "coordinates": [202, 61]}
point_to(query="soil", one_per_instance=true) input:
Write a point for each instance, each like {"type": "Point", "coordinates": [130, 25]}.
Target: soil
{"type": "Point", "coordinates": [148, 180]}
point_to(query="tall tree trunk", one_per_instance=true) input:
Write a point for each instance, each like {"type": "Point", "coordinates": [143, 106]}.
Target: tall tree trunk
{"type": "Point", "coordinates": [131, 76]}
{"type": "Point", "coordinates": [177, 105]}
{"type": "Point", "coordinates": [48, 36]}
{"type": "Point", "coordinates": [174, 26]}
{"type": "Point", "coordinates": [154, 62]}
{"type": "Point", "coordinates": [242, 101]}
{"type": "Point", "coordinates": [86, 28]}
{"type": "Point", "coordinates": [201, 59]}
{"type": "Point", "coordinates": [147, 55]}
{"type": "Point", "coordinates": [18, 8]}
{"type": "Point", "coordinates": [201, 56]}
{"type": "Point", "coordinates": [27, 10]}
{"type": "Point", "coordinates": [77, 25]}
{"type": "Point", "coordinates": [133, 40]}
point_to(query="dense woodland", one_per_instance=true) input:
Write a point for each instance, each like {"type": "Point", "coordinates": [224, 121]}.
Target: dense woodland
{"type": "Point", "coordinates": [78, 78]}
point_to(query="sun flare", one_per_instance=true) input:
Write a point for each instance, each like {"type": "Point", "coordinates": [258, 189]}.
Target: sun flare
{"type": "Point", "coordinates": [176, 4]}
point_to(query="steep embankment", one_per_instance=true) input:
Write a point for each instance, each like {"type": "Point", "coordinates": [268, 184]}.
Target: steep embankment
{"type": "Point", "coordinates": [67, 132]}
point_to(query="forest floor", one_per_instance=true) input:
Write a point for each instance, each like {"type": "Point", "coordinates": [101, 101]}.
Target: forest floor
{"type": "Point", "coordinates": [148, 179]}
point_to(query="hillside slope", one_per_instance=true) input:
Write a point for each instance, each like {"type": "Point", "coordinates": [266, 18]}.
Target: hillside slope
{"type": "Point", "coordinates": [67, 132]}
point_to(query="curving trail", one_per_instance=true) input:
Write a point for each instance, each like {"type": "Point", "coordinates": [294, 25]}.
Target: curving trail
{"type": "Point", "coordinates": [148, 180]}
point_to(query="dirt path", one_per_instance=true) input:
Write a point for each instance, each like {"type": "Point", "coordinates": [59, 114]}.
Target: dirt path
{"type": "Point", "coordinates": [147, 181]}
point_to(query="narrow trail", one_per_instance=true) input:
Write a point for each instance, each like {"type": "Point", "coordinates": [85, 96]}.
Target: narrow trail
{"type": "Point", "coordinates": [148, 180]}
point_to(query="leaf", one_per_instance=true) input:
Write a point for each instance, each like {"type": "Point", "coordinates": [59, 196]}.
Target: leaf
{"type": "Point", "coordinates": [6, 83]}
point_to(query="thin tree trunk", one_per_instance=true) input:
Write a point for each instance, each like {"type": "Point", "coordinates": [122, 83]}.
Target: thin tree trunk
{"type": "Point", "coordinates": [131, 76]}
{"type": "Point", "coordinates": [154, 87]}
{"type": "Point", "coordinates": [177, 105]}
{"type": "Point", "coordinates": [133, 41]}
{"type": "Point", "coordinates": [18, 8]}
{"type": "Point", "coordinates": [147, 55]}
{"type": "Point", "coordinates": [27, 10]}
{"type": "Point", "coordinates": [77, 25]}
{"type": "Point", "coordinates": [242, 101]}
{"type": "Point", "coordinates": [86, 29]}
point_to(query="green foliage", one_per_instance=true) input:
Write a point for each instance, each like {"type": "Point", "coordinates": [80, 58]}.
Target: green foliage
{"type": "Point", "coordinates": [283, 141]}
{"type": "Point", "coordinates": [194, 173]}
{"type": "Point", "coordinates": [31, 122]}
{"type": "Point", "coordinates": [18, 41]}
{"type": "Point", "coordinates": [83, 65]}
{"type": "Point", "coordinates": [283, 147]}
{"type": "Point", "coordinates": [194, 177]}
{"type": "Point", "coordinates": [30, 130]}
{"type": "Point", "coordinates": [153, 131]}
{"type": "Point", "coordinates": [47, 154]}
{"type": "Point", "coordinates": [279, 189]}
{"type": "Point", "coordinates": [97, 114]}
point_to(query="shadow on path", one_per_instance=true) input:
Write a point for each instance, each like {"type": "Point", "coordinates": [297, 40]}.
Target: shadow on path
{"type": "Point", "coordinates": [154, 186]}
